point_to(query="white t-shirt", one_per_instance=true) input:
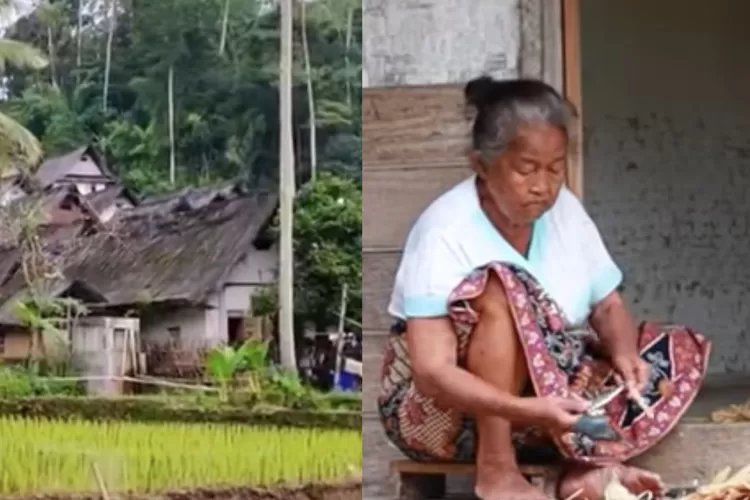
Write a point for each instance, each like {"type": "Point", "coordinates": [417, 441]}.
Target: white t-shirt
{"type": "Point", "coordinates": [453, 236]}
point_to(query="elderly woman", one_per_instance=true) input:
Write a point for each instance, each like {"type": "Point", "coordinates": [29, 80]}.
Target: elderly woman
{"type": "Point", "coordinates": [508, 320]}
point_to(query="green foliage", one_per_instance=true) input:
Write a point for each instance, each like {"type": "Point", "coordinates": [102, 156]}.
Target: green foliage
{"type": "Point", "coordinates": [226, 106]}
{"type": "Point", "coordinates": [285, 389]}
{"type": "Point", "coordinates": [224, 362]}
{"type": "Point", "coordinates": [17, 382]}
{"type": "Point", "coordinates": [172, 410]}
{"type": "Point", "coordinates": [18, 147]}
{"type": "Point", "coordinates": [264, 302]}
{"type": "Point", "coordinates": [328, 250]}
{"type": "Point", "coordinates": [327, 253]}
{"type": "Point", "coordinates": [39, 314]}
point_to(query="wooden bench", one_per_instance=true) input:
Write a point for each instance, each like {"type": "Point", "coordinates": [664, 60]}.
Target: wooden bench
{"type": "Point", "coordinates": [426, 481]}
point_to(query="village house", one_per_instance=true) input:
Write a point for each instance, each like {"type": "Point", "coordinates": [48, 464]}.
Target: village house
{"type": "Point", "coordinates": [186, 264]}
{"type": "Point", "coordinates": [84, 168]}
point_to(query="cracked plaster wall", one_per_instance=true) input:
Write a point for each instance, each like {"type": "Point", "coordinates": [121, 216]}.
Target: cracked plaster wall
{"type": "Point", "coordinates": [667, 159]}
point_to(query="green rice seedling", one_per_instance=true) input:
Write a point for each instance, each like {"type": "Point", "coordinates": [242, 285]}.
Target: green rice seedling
{"type": "Point", "coordinates": [46, 456]}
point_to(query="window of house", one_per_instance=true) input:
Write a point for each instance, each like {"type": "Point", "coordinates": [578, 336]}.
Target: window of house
{"type": "Point", "coordinates": [2, 343]}
{"type": "Point", "coordinates": [119, 338]}
{"type": "Point", "coordinates": [174, 334]}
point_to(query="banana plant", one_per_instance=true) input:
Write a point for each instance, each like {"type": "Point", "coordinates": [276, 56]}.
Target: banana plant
{"type": "Point", "coordinates": [224, 362]}
{"type": "Point", "coordinates": [256, 357]}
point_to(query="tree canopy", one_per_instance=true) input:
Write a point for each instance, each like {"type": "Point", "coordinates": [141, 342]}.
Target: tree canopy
{"type": "Point", "coordinates": [112, 63]}
{"type": "Point", "coordinates": [224, 92]}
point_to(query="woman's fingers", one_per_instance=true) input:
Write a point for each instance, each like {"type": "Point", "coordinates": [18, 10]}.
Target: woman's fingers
{"type": "Point", "coordinates": [643, 373]}
{"type": "Point", "coordinates": [573, 405]}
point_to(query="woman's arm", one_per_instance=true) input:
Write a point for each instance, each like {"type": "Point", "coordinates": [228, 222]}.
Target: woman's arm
{"type": "Point", "coordinates": [617, 331]}
{"type": "Point", "coordinates": [615, 326]}
{"type": "Point", "coordinates": [432, 351]}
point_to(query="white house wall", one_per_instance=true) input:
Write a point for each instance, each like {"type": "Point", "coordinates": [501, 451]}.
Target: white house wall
{"type": "Point", "coordinates": [257, 268]}
{"type": "Point", "coordinates": [90, 187]}
{"type": "Point", "coordinates": [85, 167]}
{"type": "Point", "coordinates": [198, 327]}
{"type": "Point", "coordinates": [256, 271]}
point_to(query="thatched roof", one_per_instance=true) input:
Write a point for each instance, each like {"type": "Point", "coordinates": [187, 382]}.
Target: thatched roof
{"type": "Point", "coordinates": [12, 281]}
{"type": "Point", "coordinates": [174, 256]}
{"type": "Point", "coordinates": [58, 167]}
{"type": "Point", "coordinates": [62, 205]}
{"type": "Point", "coordinates": [54, 207]}
{"type": "Point", "coordinates": [101, 200]}
{"type": "Point", "coordinates": [190, 198]}
{"type": "Point", "coordinates": [180, 256]}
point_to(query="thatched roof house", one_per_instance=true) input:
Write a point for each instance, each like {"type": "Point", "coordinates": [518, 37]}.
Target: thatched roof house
{"type": "Point", "coordinates": [83, 165]}
{"type": "Point", "coordinates": [181, 251]}
{"type": "Point", "coordinates": [177, 257]}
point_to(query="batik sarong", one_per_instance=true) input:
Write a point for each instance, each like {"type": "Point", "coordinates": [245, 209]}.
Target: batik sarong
{"type": "Point", "coordinates": [562, 361]}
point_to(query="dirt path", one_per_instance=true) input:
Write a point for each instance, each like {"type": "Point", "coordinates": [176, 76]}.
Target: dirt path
{"type": "Point", "coordinates": [346, 491]}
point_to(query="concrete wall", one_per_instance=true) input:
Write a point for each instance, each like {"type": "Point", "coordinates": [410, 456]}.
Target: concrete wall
{"type": "Point", "coordinates": [103, 346]}
{"type": "Point", "coordinates": [197, 327]}
{"type": "Point", "coordinates": [256, 270]}
{"type": "Point", "coordinates": [86, 166]}
{"type": "Point", "coordinates": [667, 159]}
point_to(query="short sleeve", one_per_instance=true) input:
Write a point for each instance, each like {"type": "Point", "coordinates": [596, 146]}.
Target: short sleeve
{"type": "Point", "coordinates": [431, 270]}
{"type": "Point", "coordinates": [603, 274]}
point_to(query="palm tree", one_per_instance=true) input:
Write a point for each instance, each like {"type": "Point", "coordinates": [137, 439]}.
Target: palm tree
{"type": "Point", "coordinates": [17, 143]}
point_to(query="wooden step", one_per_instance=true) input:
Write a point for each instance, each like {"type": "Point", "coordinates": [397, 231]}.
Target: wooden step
{"type": "Point", "coordinates": [426, 480]}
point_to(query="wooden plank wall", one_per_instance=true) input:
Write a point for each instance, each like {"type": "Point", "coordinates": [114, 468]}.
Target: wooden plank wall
{"type": "Point", "coordinates": [415, 142]}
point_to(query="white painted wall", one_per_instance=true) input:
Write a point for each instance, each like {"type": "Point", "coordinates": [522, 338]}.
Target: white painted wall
{"type": "Point", "coordinates": [102, 345]}
{"type": "Point", "coordinates": [258, 267]}
{"type": "Point", "coordinates": [88, 187]}
{"type": "Point", "coordinates": [419, 42]}
{"type": "Point", "coordinates": [86, 166]}
{"type": "Point", "coordinates": [667, 159]}
{"type": "Point", "coordinates": [197, 327]}
{"type": "Point", "coordinates": [255, 271]}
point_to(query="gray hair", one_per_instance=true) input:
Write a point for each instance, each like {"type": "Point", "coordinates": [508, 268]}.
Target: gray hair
{"type": "Point", "coordinates": [503, 107]}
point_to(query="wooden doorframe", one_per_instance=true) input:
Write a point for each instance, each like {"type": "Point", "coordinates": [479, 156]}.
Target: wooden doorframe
{"type": "Point", "coordinates": [571, 52]}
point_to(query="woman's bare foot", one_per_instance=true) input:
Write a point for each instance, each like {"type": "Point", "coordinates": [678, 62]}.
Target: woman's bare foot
{"type": "Point", "coordinates": [508, 484]}
{"type": "Point", "coordinates": [590, 482]}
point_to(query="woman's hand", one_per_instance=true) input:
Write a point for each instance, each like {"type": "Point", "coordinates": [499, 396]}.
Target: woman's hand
{"type": "Point", "coordinates": [555, 413]}
{"type": "Point", "coordinates": [634, 371]}
{"type": "Point", "coordinates": [618, 333]}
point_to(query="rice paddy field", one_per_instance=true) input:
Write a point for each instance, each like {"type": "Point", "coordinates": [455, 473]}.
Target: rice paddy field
{"type": "Point", "coordinates": [46, 456]}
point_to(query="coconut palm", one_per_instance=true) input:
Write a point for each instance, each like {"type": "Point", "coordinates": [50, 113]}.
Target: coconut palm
{"type": "Point", "coordinates": [17, 143]}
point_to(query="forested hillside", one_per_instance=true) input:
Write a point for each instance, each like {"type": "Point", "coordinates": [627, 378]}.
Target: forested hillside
{"type": "Point", "coordinates": [115, 66]}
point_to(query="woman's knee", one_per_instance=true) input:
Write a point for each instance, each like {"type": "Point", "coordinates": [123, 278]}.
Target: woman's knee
{"type": "Point", "coordinates": [493, 302]}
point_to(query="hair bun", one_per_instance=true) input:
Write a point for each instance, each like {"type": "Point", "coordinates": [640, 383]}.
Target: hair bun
{"type": "Point", "coordinates": [478, 92]}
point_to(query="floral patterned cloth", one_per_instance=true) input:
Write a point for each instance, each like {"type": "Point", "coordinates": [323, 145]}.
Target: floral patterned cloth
{"type": "Point", "coordinates": [561, 360]}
